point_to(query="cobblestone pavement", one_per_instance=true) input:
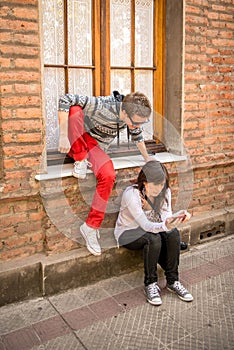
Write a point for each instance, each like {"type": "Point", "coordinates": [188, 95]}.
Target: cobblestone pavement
{"type": "Point", "coordinates": [113, 314]}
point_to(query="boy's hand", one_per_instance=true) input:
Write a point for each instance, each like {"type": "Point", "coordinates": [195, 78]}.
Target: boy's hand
{"type": "Point", "coordinates": [64, 144]}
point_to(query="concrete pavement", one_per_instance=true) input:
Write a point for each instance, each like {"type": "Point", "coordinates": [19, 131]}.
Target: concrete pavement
{"type": "Point", "coordinates": [113, 313]}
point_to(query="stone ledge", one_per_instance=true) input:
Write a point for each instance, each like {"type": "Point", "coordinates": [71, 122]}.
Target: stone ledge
{"type": "Point", "coordinates": [42, 275]}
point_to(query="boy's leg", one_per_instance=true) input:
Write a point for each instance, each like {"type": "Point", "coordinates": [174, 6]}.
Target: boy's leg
{"type": "Point", "coordinates": [77, 133]}
{"type": "Point", "coordinates": [103, 169]}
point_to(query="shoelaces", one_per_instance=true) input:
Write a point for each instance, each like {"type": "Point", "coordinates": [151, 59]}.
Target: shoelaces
{"type": "Point", "coordinates": [180, 288]}
{"type": "Point", "coordinates": [153, 290]}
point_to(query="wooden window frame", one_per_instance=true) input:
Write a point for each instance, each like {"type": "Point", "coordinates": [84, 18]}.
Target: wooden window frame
{"type": "Point", "coordinates": [101, 69]}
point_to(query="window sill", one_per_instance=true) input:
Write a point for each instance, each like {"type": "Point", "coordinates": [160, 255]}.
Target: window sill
{"type": "Point", "coordinates": [64, 170]}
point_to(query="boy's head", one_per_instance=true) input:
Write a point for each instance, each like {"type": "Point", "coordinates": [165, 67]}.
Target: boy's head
{"type": "Point", "coordinates": [137, 108]}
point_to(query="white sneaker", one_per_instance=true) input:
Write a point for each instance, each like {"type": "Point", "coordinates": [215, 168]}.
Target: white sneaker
{"type": "Point", "coordinates": [90, 236]}
{"type": "Point", "coordinates": [80, 168]}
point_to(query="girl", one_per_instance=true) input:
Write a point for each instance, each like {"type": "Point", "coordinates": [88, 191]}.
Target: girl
{"type": "Point", "coordinates": [145, 221]}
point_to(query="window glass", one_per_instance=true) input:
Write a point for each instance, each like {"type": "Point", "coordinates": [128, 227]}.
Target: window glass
{"type": "Point", "coordinates": [79, 32]}
{"type": "Point", "coordinates": [144, 82]}
{"type": "Point", "coordinates": [144, 33]}
{"type": "Point", "coordinates": [53, 30]}
{"type": "Point", "coordinates": [53, 88]}
{"type": "Point", "coordinates": [80, 81]}
{"type": "Point", "coordinates": [120, 29]}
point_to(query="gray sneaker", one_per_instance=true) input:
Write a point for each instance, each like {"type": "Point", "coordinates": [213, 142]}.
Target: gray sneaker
{"type": "Point", "coordinates": [90, 235]}
{"type": "Point", "coordinates": [180, 290]}
{"type": "Point", "coordinates": [152, 294]}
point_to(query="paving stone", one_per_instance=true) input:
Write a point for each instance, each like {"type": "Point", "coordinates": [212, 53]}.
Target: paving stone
{"type": "Point", "coordinates": [22, 339]}
{"type": "Point", "coordinates": [2, 346]}
{"type": "Point", "coordinates": [131, 298]}
{"type": "Point", "coordinates": [51, 328]}
{"type": "Point", "coordinates": [66, 302]}
{"type": "Point", "coordinates": [106, 308]}
{"type": "Point", "coordinates": [114, 285]}
{"type": "Point", "coordinates": [132, 333]}
{"type": "Point", "coordinates": [37, 310]}
{"type": "Point", "coordinates": [98, 336]}
{"type": "Point", "coordinates": [91, 294]}
{"type": "Point", "coordinates": [67, 342]}
{"type": "Point", "coordinates": [80, 318]}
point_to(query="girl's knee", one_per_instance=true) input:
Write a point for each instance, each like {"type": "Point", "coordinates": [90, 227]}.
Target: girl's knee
{"type": "Point", "coordinates": [154, 239]}
{"type": "Point", "coordinates": [174, 235]}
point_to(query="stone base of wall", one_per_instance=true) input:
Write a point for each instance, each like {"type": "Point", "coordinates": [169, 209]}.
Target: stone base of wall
{"type": "Point", "coordinates": [42, 275]}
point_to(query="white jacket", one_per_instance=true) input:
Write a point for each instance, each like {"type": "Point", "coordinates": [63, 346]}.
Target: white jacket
{"type": "Point", "coordinates": [131, 215]}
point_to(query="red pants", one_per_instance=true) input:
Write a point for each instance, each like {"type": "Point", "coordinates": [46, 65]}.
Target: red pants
{"type": "Point", "coordinates": [84, 146]}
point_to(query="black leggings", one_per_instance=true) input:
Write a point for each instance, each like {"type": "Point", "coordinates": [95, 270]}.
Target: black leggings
{"type": "Point", "coordinates": [161, 248]}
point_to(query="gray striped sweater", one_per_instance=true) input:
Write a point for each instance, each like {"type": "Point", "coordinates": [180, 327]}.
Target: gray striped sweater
{"type": "Point", "coordinates": [101, 116]}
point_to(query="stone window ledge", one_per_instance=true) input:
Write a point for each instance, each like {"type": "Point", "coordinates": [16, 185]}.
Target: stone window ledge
{"type": "Point", "coordinates": [64, 170]}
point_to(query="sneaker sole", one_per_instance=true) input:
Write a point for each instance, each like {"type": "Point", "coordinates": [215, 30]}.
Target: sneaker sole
{"type": "Point", "coordinates": [154, 303]}
{"type": "Point", "coordinates": [90, 249]}
{"type": "Point", "coordinates": [79, 176]}
{"type": "Point", "coordinates": [179, 296]}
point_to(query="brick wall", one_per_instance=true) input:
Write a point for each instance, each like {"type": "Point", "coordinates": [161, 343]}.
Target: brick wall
{"type": "Point", "coordinates": [31, 212]}
{"type": "Point", "coordinates": [209, 100]}
{"type": "Point", "coordinates": [209, 93]}
{"type": "Point", "coordinates": [21, 130]}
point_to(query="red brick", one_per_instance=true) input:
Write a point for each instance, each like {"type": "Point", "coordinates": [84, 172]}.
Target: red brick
{"type": "Point", "coordinates": [27, 162]}
{"type": "Point", "coordinates": [12, 220]}
{"type": "Point", "coordinates": [16, 241]}
{"type": "Point", "coordinates": [218, 8]}
{"type": "Point", "coordinates": [9, 163]}
{"type": "Point", "coordinates": [29, 2]}
{"type": "Point", "coordinates": [26, 113]}
{"type": "Point", "coordinates": [20, 101]}
{"type": "Point", "coordinates": [22, 150]}
{"type": "Point", "coordinates": [32, 88]}
{"type": "Point", "coordinates": [29, 51]}
{"type": "Point", "coordinates": [22, 125]}
{"type": "Point", "coordinates": [6, 62]}
{"type": "Point", "coordinates": [27, 63]}
{"type": "Point", "coordinates": [5, 233]}
{"type": "Point", "coordinates": [7, 89]}
{"type": "Point", "coordinates": [24, 13]}
{"type": "Point", "coordinates": [222, 42]}
{"type": "Point", "coordinates": [32, 137]}
{"type": "Point", "coordinates": [19, 25]}
{"type": "Point", "coordinates": [26, 39]}
{"type": "Point", "coordinates": [20, 76]}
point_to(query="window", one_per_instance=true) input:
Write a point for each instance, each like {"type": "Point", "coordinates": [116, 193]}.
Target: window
{"type": "Point", "coordinates": [95, 47]}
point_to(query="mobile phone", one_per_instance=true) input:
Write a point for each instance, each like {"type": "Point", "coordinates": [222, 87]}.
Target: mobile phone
{"type": "Point", "coordinates": [183, 217]}
{"type": "Point", "coordinates": [180, 216]}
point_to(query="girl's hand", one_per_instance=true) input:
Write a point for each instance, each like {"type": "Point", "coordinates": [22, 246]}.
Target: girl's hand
{"type": "Point", "coordinates": [173, 222]}
{"type": "Point", "coordinates": [177, 218]}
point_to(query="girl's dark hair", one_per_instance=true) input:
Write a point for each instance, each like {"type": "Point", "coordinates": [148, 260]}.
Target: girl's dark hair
{"type": "Point", "coordinates": [136, 103]}
{"type": "Point", "coordinates": [157, 173]}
